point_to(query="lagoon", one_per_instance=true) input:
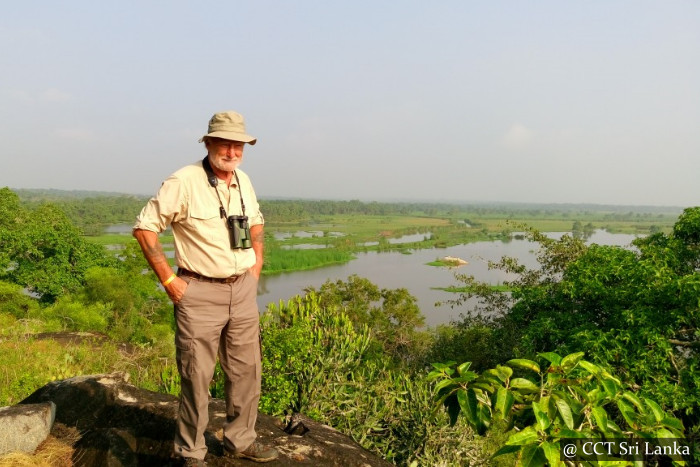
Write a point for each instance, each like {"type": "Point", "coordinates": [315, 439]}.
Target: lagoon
{"type": "Point", "coordinates": [393, 270]}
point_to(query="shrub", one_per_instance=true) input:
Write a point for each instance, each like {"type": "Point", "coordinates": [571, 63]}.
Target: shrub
{"type": "Point", "coordinates": [571, 398]}
{"type": "Point", "coordinates": [15, 302]}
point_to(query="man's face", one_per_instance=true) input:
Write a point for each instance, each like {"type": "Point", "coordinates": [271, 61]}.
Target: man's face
{"type": "Point", "coordinates": [224, 154]}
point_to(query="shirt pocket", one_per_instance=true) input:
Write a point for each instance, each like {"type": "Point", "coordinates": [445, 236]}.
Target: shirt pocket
{"type": "Point", "coordinates": [207, 221]}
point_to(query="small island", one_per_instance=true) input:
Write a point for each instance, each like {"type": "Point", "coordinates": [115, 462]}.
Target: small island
{"type": "Point", "coordinates": [449, 261]}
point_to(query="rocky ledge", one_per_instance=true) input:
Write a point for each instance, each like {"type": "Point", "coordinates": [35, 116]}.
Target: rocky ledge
{"type": "Point", "coordinates": [119, 424]}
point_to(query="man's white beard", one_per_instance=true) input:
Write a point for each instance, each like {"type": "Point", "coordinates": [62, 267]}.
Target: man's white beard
{"type": "Point", "coordinates": [229, 166]}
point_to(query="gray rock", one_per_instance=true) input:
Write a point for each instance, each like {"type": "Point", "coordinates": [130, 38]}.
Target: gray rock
{"type": "Point", "coordinates": [24, 427]}
{"type": "Point", "coordinates": [121, 425]}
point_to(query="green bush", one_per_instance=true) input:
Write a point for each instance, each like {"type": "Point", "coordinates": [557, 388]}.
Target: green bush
{"type": "Point", "coordinates": [76, 316]}
{"type": "Point", "coordinates": [318, 362]}
{"type": "Point", "coordinates": [571, 398]}
{"type": "Point", "coordinates": [302, 343]}
{"type": "Point", "coordinates": [15, 302]}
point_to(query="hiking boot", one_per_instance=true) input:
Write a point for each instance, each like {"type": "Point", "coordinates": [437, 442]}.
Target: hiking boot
{"type": "Point", "coordinates": [192, 462]}
{"type": "Point", "coordinates": [257, 452]}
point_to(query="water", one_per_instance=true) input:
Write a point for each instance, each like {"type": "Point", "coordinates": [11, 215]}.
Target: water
{"type": "Point", "coordinates": [120, 229]}
{"type": "Point", "coordinates": [396, 270]}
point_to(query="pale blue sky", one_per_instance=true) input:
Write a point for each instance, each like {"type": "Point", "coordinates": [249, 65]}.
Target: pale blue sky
{"type": "Point", "coordinates": [540, 101]}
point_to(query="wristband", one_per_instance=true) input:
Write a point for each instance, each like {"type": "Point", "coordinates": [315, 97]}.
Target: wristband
{"type": "Point", "coordinates": [169, 280]}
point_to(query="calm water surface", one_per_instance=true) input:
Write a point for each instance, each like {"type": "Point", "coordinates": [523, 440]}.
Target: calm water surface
{"type": "Point", "coordinates": [396, 270]}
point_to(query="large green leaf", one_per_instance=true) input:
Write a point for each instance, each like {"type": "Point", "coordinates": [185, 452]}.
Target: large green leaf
{"type": "Point", "coordinates": [445, 383]}
{"type": "Point", "coordinates": [656, 409]}
{"type": "Point", "coordinates": [628, 413]}
{"type": "Point", "coordinates": [525, 364]}
{"type": "Point", "coordinates": [551, 452]}
{"type": "Point", "coordinates": [463, 367]}
{"type": "Point", "coordinates": [483, 385]}
{"type": "Point", "coordinates": [506, 450]}
{"type": "Point", "coordinates": [453, 409]}
{"type": "Point", "coordinates": [610, 385]}
{"type": "Point", "coordinates": [600, 415]}
{"type": "Point", "coordinates": [532, 456]}
{"type": "Point", "coordinates": [465, 377]}
{"type": "Point", "coordinates": [595, 396]}
{"type": "Point", "coordinates": [566, 433]}
{"type": "Point", "coordinates": [663, 433]}
{"type": "Point", "coordinates": [524, 385]}
{"type": "Point", "coordinates": [526, 436]}
{"type": "Point", "coordinates": [444, 367]}
{"type": "Point", "coordinates": [571, 360]}
{"type": "Point", "coordinates": [565, 412]}
{"type": "Point", "coordinates": [671, 422]}
{"type": "Point", "coordinates": [502, 373]}
{"type": "Point", "coordinates": [468, 405]}
{"type": "Point", "coordinates": [504, 402]}
{"type": "Point", "coordinates": [551, 357]}
{"type": "Point", "coordinates": [541, 415]}
{"type": "Point", "coordinates": [613, 428]}
{"type": "Point", "coordinates": [589, 367]}
{"type": "Point", "coordinates": [634, 399]}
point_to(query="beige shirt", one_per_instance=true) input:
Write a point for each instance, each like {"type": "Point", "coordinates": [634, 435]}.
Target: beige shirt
{"type": "Point", "coordinates": [187, 202]}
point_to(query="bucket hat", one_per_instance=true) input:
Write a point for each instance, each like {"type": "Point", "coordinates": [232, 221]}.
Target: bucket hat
{"type": "Point", "coordinates": [228, 125]}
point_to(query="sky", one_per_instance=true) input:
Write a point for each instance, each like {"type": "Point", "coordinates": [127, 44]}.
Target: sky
{"type": "Point", "coordinates": [455, 100]}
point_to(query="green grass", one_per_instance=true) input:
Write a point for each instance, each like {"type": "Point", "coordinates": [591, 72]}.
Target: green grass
{"type": "Point", "coordinates": [300, 260]}
{"type": "Point", "coordinates": [30, 362]}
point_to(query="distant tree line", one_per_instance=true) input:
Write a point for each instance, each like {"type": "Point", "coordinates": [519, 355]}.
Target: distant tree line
{"type": "Point", "coordinates": [93, 211]}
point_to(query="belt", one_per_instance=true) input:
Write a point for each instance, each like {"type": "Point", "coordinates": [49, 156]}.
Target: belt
{"type": "Point", "coordinates": [199, 277]}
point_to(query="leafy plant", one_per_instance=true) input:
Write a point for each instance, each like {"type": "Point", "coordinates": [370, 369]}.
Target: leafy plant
{"type": "Point", "coordinates": [317, 361]}
{"type": "Point", "coordinates": [570, 398]}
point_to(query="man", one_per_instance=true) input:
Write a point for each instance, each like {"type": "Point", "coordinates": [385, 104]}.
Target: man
{"type": "Point", "coordinates": [215, 289]}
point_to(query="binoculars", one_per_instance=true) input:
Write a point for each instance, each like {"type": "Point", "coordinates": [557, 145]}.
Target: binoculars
{"type": "Point", "coordinates": [239, 231]}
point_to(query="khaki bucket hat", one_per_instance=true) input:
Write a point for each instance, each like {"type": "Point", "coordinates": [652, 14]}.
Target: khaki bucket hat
{"type": "Point", "coordinates": [228, 125]}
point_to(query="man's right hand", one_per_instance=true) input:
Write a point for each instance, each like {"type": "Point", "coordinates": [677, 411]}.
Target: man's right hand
{"type": "Point", "coordinates": [176, 290]}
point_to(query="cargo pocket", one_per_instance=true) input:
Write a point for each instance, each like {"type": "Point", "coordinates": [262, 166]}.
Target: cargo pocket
{"type": "Point", "coordinates": [184, 355]}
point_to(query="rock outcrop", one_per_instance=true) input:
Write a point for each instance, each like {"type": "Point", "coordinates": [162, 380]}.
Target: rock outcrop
{"type": "Point", "coordinates": [121, 425]}
{"type": "Point", "coordinates": [24, 427]}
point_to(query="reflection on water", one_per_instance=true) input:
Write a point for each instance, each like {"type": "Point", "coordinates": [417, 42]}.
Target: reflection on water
{"type": "Point", "coordinates": [410, 238]}
{"type": "Point", "coordinates": [119, 228]}
{"type": "Point", "coordinates": [395, 270]}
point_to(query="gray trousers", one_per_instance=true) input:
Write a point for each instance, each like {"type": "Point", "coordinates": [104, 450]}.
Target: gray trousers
{"type": "Point", "coordinates": [218, 318]}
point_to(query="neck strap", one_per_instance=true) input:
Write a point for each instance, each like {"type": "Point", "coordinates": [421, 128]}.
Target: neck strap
{"type": "Point", "coordinates": [214, 180]}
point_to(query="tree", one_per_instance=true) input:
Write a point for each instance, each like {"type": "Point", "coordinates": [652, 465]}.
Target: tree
{"type": "Point", "coordinates": [635, 311]}
{"type": "Point", "coordinates": [41, 250]}
{"type": "Point", "coordinates": [392, 315]}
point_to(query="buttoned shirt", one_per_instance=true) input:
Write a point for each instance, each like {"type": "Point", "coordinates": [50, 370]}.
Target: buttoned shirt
{"type": "Point", "coordinates": [189, 204]}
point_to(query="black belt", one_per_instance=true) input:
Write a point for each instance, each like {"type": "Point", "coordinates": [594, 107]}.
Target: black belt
{"type": "Point", "coordinates": [199, 277]}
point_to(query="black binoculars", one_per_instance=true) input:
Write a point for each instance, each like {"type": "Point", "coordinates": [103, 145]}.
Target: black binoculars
{"type": "Point", "coordinates": [239, 231]}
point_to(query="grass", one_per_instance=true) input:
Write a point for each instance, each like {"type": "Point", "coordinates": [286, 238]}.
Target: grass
{"type": "Point", "coordinates": [443, 263]}
{"type": "Point", "coordinates": [30, 362]}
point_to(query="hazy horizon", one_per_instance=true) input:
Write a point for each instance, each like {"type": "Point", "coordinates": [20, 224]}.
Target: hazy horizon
{"type": "Point", "coordinates": [500, 102]}
{"type": "Point", "coordinates": [475, 203]}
